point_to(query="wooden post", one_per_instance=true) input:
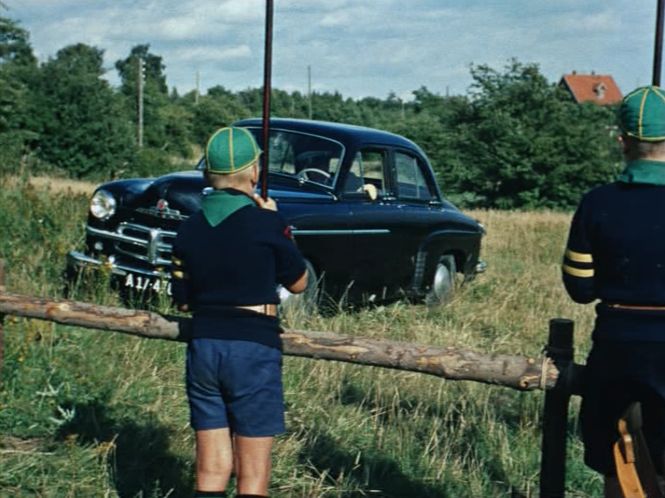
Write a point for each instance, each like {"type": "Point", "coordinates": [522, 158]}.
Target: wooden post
{"type": "Point", "coordinates": [555, 416]}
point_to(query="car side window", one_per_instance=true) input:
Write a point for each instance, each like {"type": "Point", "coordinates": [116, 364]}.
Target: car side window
{"type": "Point", "coordinates": [411, 183]}
{"type": "Point", "coordinates": [367, 169]}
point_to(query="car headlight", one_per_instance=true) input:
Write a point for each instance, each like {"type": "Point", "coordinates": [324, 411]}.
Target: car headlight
{"type": "Point", "coordinates": [102, 205]}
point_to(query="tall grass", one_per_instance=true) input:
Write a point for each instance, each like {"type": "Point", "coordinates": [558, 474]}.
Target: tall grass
{"type": "Point", "coordinates": [87, 413]}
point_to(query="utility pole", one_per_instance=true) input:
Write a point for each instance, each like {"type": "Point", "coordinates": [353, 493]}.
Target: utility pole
{"type": "Point", "coordinates": [139, 97]}
{"type": "Point", "coordinates": [196, 92]}
{"type": "Point", "coordinates": [309, 92]}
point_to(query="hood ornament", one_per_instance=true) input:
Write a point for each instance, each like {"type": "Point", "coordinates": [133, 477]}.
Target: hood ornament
{"type": "Point", "coordinates": [162, 210]}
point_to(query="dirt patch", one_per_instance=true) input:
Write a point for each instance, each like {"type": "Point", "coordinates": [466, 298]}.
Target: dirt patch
{"type": "Point", "coordinates": [58, 184]}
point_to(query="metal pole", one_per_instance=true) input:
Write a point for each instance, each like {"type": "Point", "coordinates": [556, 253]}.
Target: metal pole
{"type": "Point", "coordinates": [658, 46]}
{"type": "Point", "coordinates": [267, 69]}
{"type": "Point", "coordinates": [555, 412]}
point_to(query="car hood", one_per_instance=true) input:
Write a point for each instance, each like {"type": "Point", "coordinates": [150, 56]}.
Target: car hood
{"type": "Point", "coordinates": [183, 191]}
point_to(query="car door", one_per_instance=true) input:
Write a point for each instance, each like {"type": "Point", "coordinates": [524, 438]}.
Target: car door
{"type": "Point", "coordinates": [368, 192]}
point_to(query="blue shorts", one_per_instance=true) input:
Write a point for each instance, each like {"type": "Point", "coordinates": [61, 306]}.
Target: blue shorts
{"type": "Point", "coordinates": [235, 384]}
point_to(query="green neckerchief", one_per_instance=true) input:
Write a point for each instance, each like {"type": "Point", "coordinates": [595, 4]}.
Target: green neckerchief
{"type": "Point", "coordinates": [644, 171]}
{"type": "Point", "coordinates": [220, 204]}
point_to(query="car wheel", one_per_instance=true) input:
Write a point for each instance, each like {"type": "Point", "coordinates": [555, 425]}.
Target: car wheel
{"type": "Point", "coordinates": [306, 301]}
{"type": "Point", "coordinates": [443, 282]}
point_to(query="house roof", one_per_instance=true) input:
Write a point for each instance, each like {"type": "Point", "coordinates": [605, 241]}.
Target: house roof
{"type": "Point", "coordinates": [598, 88]}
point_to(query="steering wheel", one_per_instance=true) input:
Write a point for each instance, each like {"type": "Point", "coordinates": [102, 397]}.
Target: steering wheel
{"type": "Point", "coordinates": [303, 174]}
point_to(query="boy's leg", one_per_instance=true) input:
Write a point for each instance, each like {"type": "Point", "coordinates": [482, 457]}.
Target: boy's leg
{"type": "Point", "coordinates": [253, 464]}
{"type": "Point", "coordinates": [214, 459]}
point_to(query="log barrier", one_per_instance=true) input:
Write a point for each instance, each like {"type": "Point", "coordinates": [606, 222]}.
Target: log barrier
{"type": "Point", "coordinates": [554, 372]}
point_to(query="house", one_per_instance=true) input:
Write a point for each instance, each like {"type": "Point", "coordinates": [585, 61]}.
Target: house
{"type": "Point", "coordinates": [598, 88]}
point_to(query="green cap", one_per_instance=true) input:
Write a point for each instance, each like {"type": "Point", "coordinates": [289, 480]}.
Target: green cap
{"type": "Point", "coordinates": [230, 150]}
{"type": "Point", "coordinates": [642, 114]}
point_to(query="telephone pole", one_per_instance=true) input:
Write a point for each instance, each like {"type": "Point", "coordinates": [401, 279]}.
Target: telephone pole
{"type": "Point", "coordinates": [309, 92]}
{"type": "Point", "coordinates": [139, 96]}
{"type": "Point", "coordinates": [196, 92]}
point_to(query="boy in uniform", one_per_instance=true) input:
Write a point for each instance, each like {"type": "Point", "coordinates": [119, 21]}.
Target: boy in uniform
{"type": "Point", "coordinates": [227, 261]}
{"type": "Point", "coordinates": [616, 253]}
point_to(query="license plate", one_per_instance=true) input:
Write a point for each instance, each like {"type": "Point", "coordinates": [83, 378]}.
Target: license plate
{"type": "Point", "coordinates": [147, 284]}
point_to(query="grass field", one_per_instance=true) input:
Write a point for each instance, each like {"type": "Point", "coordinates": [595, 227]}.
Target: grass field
{"type": "Point", "coordinates": [92, 414]}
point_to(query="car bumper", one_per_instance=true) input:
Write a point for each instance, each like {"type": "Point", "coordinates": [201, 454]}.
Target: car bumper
{"type": "Point", "coordinates": [481, 266]}
{"type": "Point", "coordinates": [77, 260]}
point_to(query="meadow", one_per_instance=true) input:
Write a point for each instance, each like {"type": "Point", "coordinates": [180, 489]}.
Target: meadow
{"type": "Point", "coordinates": [91, 414]}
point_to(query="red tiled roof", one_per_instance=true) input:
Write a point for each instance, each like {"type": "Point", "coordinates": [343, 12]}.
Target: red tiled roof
{"type": "Point", "coordinates": [598, 88]}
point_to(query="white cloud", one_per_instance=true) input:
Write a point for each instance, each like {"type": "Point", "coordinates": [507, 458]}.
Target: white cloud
{"type": "Point", "coordinates": [359, 48]}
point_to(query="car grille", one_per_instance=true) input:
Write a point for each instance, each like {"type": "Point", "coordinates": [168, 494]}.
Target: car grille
{"type": "Point", "coordinates": [155, 245]}
{"type": "Point", "coordinates": [151, 245]}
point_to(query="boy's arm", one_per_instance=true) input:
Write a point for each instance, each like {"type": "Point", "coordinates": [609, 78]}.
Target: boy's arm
{"type": "Point", "coordinates": [578, 266]}
{"type": "Point", "coordinates": [299, 285]}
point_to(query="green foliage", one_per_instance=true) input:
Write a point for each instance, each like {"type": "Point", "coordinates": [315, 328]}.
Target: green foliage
{"type": "Point", "coordinates": [83, 128]}
{"type": "Point", "coordinates": [14, 43]}
{"type": "Point", "coordinates": [520, 142]}
{"type": "Point", "coordinates": [94, 413]}
{"type": "Point", "coordinates": [515, 141]}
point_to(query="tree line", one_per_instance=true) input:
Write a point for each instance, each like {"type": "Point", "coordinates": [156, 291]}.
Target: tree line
{"type": "Point", "coordinates": [514, 141]}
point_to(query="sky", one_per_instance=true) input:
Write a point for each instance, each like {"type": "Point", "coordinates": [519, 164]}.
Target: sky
{"type": "Point", "coordinates": [357, 48]}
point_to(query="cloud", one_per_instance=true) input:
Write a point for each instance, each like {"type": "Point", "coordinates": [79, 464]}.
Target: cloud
{"type": "Point", "coordinates": [358, 48]}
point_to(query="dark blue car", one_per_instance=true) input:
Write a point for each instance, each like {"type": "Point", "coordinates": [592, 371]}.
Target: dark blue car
{"type": "Point", "coordinates": [363, 204]}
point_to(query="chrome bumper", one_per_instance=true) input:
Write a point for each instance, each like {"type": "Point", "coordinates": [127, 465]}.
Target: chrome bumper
{"type": "Point", "coordinates": [481, 266]}
{"type": "Point", "coordinates": [79, 260]}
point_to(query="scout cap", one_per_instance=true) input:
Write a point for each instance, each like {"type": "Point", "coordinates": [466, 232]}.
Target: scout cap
{"type": "Point", "coordinates": [642, 114]}
{"type": "Point", "coordinates": [230, 150]}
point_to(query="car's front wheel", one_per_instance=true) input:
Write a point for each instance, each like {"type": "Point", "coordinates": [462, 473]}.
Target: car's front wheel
{"type": "Point", "coordinates": [305, 302]}
{"type": "Point", "coordinates": [443, 284]}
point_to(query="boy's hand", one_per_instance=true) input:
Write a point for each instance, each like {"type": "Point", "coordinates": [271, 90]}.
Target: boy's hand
{"type": "Point", "coordinates": [265, 204]}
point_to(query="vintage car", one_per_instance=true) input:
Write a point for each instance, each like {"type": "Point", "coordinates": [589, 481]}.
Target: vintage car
{"type": "Point", "coordinates": [363, 205]}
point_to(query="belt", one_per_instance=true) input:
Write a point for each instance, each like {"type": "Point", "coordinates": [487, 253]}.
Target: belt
{"type": "Point", "coordinates": [264, 309]}
{"type": "Point", "coordinates": [636, 307]}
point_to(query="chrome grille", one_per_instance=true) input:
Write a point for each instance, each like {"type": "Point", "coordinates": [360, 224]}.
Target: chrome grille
{"type": "Point", "coordinates": [152, 245]}
{"type": "Point", "coordinates": [155, 246]}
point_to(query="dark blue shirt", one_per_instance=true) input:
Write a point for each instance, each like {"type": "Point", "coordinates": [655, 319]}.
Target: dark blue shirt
{"type": "Point", "coordinates": [616, 253]}
{"type": "Point", "coordinates": [238, 262]}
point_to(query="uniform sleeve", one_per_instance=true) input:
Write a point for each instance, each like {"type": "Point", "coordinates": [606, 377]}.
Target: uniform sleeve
{"type": "Point", "coordinates": [289, 263]}
{"type": "Point", "coordinates": [179, 275]}
{"type": "Point", "coordinates": [578, 267]}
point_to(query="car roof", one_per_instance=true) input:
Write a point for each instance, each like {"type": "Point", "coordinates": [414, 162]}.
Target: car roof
{"type": "Point", "coordinates": [345, 133]}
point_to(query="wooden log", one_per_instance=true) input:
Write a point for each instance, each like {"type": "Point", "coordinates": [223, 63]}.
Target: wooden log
{"type": "Point", "coordinates": [517, 372]}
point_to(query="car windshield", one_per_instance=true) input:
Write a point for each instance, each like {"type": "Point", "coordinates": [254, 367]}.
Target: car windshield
{"type": "Point", "coordinates": [307, 157]}
{"type": "Point", "coordinates": [300, 155]}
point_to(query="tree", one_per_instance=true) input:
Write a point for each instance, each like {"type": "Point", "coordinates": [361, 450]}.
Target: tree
{"type": "Point", "coordinates": [155, 92]}
{"type": "Point", "coordinates": [18, 68]}
{"type": "Point", "coordinates": [14, 43]}
{"type": "Point", "coordinates": [521, 143]}
{"type": "Point", "coordinates": [84, 129]}
{"type": "Point", "coordinates": [218, 108]}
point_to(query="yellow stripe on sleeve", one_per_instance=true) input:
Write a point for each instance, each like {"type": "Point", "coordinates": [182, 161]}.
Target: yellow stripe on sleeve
{"type": "Point", "coordinates": [179, 275]}
{"type": "Point", "coordinates": [176, 261]}
{"type": "Point", "coordinates": [575, 272]}
{"type": "Point", "coordinates": [578, 257]}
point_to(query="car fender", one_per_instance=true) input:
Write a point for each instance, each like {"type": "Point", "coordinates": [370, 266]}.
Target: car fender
{"type": "Point", "coordinates": [464, 245]}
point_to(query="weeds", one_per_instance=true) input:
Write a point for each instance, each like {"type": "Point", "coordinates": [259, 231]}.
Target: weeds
{"type": "Point", "coordinates": [89, 413]}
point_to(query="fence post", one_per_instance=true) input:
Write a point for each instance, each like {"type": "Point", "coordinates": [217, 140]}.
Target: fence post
{"type": "Point", "coordinates": [555, 412]}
